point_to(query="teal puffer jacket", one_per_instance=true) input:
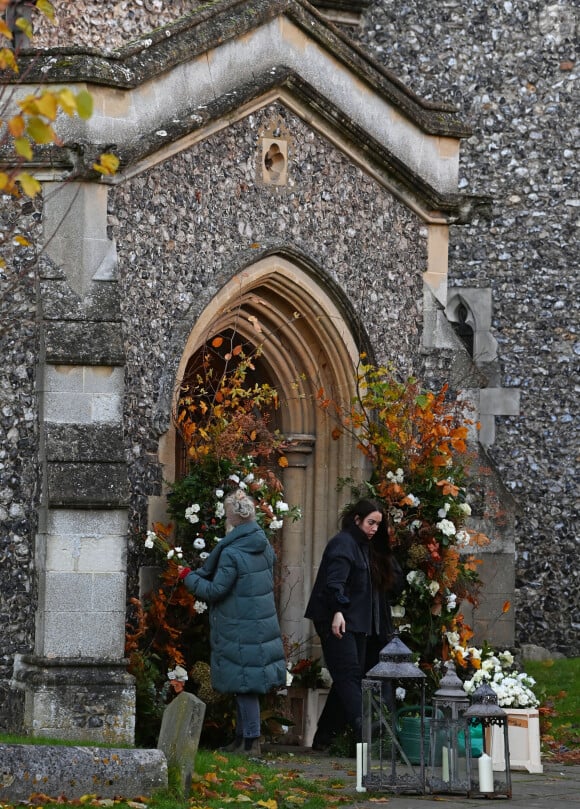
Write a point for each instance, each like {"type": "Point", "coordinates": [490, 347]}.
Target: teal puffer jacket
{"type": "Point", "coordinates": [237, 581]}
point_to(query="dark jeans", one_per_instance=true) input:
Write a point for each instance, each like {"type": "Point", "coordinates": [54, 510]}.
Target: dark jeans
{"type": "Point", "coordinates": [345, 660]}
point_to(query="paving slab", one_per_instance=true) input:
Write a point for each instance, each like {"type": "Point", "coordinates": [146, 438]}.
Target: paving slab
{"type": "Point", "coordinates": [558, 786]}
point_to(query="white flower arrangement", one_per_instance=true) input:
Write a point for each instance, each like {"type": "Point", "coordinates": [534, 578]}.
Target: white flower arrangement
{"type": "Point", "coordinates": [514, 689]}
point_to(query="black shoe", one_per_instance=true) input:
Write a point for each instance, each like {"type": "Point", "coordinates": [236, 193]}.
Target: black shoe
{"type": "Point", "coordinates": [234, 746]}
{"type": "Point", "coordinates": [321, 743]}
{"type": "Point", "coordinates": [251, 747]}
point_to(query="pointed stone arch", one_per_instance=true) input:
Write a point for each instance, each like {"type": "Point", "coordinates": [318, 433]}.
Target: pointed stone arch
{"type": "Point", "coordinates": [308, 344]}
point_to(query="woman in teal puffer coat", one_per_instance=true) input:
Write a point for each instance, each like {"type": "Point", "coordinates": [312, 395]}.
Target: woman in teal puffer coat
{"type": "Point", "coordinates": [237, 581]}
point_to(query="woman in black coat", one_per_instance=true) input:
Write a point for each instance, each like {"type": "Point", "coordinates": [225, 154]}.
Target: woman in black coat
{"type": "Point", "coordinates": [345, 608]}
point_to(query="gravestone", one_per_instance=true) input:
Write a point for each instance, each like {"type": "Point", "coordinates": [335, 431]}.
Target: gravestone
{"type": "Point", "coordinates": [72, 772]}
{"type": "Point", "coordinates": [179, 735]}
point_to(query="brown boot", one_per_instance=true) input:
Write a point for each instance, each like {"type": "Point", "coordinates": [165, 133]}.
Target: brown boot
{"type": "Point", "coordinates": [251, 747]}
{"type": "Point", "coordinates": [234, 746]}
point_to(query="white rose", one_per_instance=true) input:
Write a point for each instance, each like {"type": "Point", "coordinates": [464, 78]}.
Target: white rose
{"type": "Point", "coordinates": [462, 538]}
{"type": "Point", "coordinates": [203, 555]}
{"type": "Point", "coordinates": [199, 543]}
{"type": "Point", "coordinates": [465, 508]}
{"type": "Point", "coordinates": [200, 606]}
{"type": "Point", "coordinates": [446, 527]}
{"type": "Point", "coordinates": [219, 493]}
{"type": "Point", "coordinates": [433, 587]}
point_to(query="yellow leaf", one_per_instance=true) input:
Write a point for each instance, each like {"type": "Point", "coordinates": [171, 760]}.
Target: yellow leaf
{"type": "Point", "coordinates": [270, 803]}
{"type": "Point", "coordinates": [17, 126]}
{"type": "Point", "coordinates": [67, 101]}
{"type": "Point", "coordinates": [283, 462]}
{"type": "Point", "coordinates": [4, 180]}
{"type": "Point", "coordinates": [30, 185]}
{"type": "Point", "coordinates": [243, 799]}
{"type": "Point", "coordinates": [87, 798]}
{"type": "Point", "coordinates": [23, 148]}
{"type": "Point", "coordinates": [45, 8]}
{"type": "Point", "coordinates": [4, 30]}
{"type": "Point", "coordinates": [39, 131]}
{"type": "Point", "coordinates": [84, 104]}
{"type": "Point", "coordinates": [47, 105]}
{"type": "Point", "coordinates": [21, 240]}
{"type": "Point", "coordinates": [24, 26]}
{"type": "Point", "coordinates": [8, 60]}
{"type": "Point", "coordinates": [108, 164]}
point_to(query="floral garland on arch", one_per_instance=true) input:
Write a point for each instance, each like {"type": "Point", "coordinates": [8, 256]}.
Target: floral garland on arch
{"type": "Point", "coordinates": [223, 420]}
{"type": "Point", "coordinates": [416, 444]}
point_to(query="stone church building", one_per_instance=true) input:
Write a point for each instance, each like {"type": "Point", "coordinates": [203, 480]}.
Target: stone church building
{"type": "Point", "coordinates": [281, 157]}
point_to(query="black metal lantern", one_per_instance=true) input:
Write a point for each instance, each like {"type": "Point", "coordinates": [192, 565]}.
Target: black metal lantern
{"type": "Point", "coordinates": [449, 738]}
{"type": "Point", "coordinates": [485, 713]}
{"type": "Point", "coordinates": [390, 764]}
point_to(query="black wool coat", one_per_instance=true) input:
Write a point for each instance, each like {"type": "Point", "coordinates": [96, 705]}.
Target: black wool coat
{"type": "Point", "coordinates": [343, 583]}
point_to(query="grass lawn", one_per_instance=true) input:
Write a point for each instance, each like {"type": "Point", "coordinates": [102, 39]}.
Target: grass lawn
{"type": "Point", "coordinates": [558, 686]}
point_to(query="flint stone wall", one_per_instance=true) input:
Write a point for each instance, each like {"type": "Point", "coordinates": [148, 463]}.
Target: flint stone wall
{"type": "Point", "coordinates": [211, 218]}
{"type": "Point", "coordinates": [512, 69]}
{"type": "Point", "coordinates": [19, 468]}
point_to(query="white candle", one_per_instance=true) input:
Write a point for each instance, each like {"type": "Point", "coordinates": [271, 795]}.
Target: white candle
{"type": "Point", "coordinates": [485, 768]}
{"type": "Point", "coordinates": [445, 764]}
{"type": "Point", "coordinates": [359, 767]}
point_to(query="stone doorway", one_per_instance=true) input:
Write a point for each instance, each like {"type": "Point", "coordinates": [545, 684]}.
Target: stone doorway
{"type": "Point", "coordinates": [308, 344]}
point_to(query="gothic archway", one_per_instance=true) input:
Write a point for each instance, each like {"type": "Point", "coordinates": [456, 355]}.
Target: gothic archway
{"type": "Point", "coordinates": [306, 345]}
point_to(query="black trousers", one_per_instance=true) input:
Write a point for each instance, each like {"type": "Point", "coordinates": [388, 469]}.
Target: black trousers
{"type": "Point", "coordinates": [345, 660]}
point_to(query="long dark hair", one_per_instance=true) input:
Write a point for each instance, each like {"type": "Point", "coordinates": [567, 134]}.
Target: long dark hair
{"type": "Point", "coordinates": [381, 555]}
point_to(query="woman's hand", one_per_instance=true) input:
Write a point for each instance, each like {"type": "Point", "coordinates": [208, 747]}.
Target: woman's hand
{"type": "Point", "coordinates": [338, 625]}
